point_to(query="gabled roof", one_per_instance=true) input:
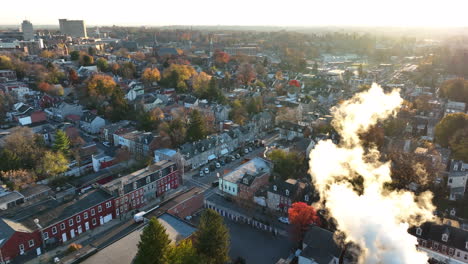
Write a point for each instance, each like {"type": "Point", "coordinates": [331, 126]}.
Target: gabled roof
{"type": "Point", "coordinates": [8, 228]}
{"type": "Point", "coordinates": [457, 238]}
{"type": "Point", "coordinates": [321, 245]}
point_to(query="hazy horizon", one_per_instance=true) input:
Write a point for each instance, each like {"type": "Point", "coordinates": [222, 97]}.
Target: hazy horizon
{"type": "Point", "coordinates": [295, 13]}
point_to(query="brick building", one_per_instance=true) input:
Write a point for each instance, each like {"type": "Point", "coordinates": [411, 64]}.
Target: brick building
{"type": "Point", "coordinates": [59, 222]}
{"type": "Point", "coordinates": [136, 189]}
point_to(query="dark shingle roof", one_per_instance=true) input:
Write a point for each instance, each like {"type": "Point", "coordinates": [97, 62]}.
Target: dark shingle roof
{"type": "Point", "coordinates": [430, 231]}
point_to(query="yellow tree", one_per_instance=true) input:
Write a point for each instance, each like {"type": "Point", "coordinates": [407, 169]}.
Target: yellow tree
{"type": "Point", "coordinates": [176, 75]}
{"type": "Point", "coordinates": [200, 83]}
{"type": "Point", "coordinates": [151, 75]}
{"type": "Point", "coordinates": [101, 85]}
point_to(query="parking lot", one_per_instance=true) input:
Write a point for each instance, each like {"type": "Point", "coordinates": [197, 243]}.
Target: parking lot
{"type": "Point", "coordinates": [257, 246]}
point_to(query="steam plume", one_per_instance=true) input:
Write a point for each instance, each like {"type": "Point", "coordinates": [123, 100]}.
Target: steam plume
{"type": "Point", "coordinates": [376, 219]}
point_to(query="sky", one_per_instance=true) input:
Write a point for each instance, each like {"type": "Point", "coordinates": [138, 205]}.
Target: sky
{"type": "Point", "coordinates": [400, 13]}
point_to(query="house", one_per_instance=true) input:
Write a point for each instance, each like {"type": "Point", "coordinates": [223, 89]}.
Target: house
{"type": "Point", "coordinates": [445, 243]}
{"type": "Point", "coordinates": [135, 89]}
{"type": "Point", "coordinates": [19, 89]}
{"type": "Point", "coordinates": [289, 130]}
{"type": "Point", "coordinates": [33, 118]}
{"type": "Point", "coordinates": [7, 76]}
{"type": "Point", "coordinates": [91, 122]}
{"type": "Point", "coordinates": [246, 179]}
{"type": "Point", "coordinates": [151, 101]}
{"type": "Point", "coordinates": [63, 109]}
{"type": "Point", "coordinates": [86, 71]}
{"type": "Point", "coordinates": [139, 143]}
{"type": "Point", "coordinates": [107, 132]}
{"type": "Point", "coordinates": [164, 154]}
{"type": "Point", "coordinates": [319, 247]}
{"type": "Point", "coordinates": [221, 112]}
{"type": "Point", "coordinates": [454, 107]}
{"type": "Point", "coordinates": [457, 178]}
{"type": "Point", "coordinates": [59, 220]}
{"type": "Point", "coordinates": [134, 190]}
{"type": "Point", "coordinates": [196, 154]}
{"type": "Point", "coordinates": [281, 194]}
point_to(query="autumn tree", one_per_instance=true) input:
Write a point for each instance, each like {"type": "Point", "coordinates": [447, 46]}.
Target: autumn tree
{"type": "Point", "coordinates": [196, 129]}
{"type": "Point", "coordinates": [255, 105]}
{"type": "Point", "coordinates": [52, 164]}
{"type": "Point", "coordinates": [127, 70]}
{"type": "Point", "coordinates": [102, 65]}
{"type": "Point", "coordinates": [238, 112]}
{"type": "Point", "coordinates": [86, 60]}
{"type": "Point", "coordinates": [5, 63]}
{"type": "Point", "coordinates": [46, 54]}
{"type": "Point", "coordinates": [448, 126]}
{"type": "Point", "coordinates": [211, 240]}
{"type": "Point", "coordinates": [301, 216]}
{"type": "Point", "coordinates": [221, 58]}
{"type": "Point", "coordinates": [184, 253]}
{"type": "Point", "coordinates": [6, 101]}
{"type": "Point", "coordinates": [200, 83]}
{"type": "Point", "coordinates": [154, 244]}
{"type": "Point", "coordinates": [455, 90]}
{"type": "Point", "coordinates": [18, 179]}
{"type": "Point", "coordinates": [459, 145]}
{"type": "Point", "coordinates": [73, 76]}
{"type": "Point", "coordinates": [74, 55]}
{"type": "Point", "coordinates": [177, 75]}
{"type": "Point", "coordinates": [177, 131]}
{"type": "Point", "coordinates": [287, 164]}
{"type": "Point", "coordinates": [246, 73]}
{"type": "Point", "coordinates": [22, 147]}
{"type": "Point", "coordinates": [100, 86]}
{"type": "Point", "coordinates": [150, 120]}
{"type": "Point", "coordinates": [408, 168]}
{"type": "Point", "coordinates": [373, 137]}
{"type": "Point", "coordinates": [151, 75]}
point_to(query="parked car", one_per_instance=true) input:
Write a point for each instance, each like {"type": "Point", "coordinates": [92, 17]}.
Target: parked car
{"type": "Point", "coordinates": [206, 170]}
{"type": "Point", "coordinates": [222, 162]}
{"type": "Point", "coordinates": [246, 150]}
{"type": "Point", "coordinates": [250, 149]}
{"type": "Point", "coordinates": [217, 165]}
{"type": "Point", "coordinates": [237, 156]}
{"type": "Point", "coordinates": [283, 220]}
{"type": "Point", "coordinates": [201, 173]}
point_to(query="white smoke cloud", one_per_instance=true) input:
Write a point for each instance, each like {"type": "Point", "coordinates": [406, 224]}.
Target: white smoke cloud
{"type": "Point", "coordinates": [377, 220]}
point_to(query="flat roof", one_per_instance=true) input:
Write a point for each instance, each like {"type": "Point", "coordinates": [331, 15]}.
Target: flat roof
{"type": "Point", "coordinates": [252, 167]}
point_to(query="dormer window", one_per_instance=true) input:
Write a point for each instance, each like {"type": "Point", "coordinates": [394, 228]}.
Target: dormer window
{"type": "Point", "coordinates": [306, 198]}
{"type": "Point", "coordinates": [418, 231]}
{"type": "Point", "coordinates": [287, 192]}
{"type": "Point", "coordinates": [455, 167]}
{"type": "Point", "coordinates": [445, 237]}
{"type": "Point", "coordinates": [275, 188]}
{"type": "Point", "coordinates": [246, 181]}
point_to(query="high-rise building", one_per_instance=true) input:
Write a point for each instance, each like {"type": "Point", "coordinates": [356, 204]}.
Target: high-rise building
{"type": "Point", "coordinates": [73, 28]}
{"type": "Point", "coordinates": [27, 29]}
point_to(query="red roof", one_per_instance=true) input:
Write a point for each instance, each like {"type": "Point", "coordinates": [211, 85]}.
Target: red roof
{"type": "Point", "coordinates": [73, 117]}
{"type": "Point", "coordinates": [39, 116]}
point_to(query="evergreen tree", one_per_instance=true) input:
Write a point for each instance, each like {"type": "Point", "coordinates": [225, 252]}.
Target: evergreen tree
{"type": "Point", "coordinates": [62, 142]}
{"type": "Point", "coordinates": [212, 238]}
{"type": "Point", "coordinates": [153, 247]}
{"type": "Point", "coordinates": [213, 93]}
{"type": "Point", "coordinates": [196, 129]}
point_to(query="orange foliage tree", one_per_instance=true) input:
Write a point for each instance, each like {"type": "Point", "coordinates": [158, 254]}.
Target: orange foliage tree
{"type": "Point", "coordinates": [301, 216]}
{"type": "Point", "coordinates": [101, 85]}
{"type": "Point", "coordinates": [221, 57]}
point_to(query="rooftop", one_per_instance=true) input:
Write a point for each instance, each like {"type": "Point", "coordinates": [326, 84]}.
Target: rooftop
{"type": "Point", "coordinates": [253, 167]}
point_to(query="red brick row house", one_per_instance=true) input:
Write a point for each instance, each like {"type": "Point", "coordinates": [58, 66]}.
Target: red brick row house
{"type": "Point", "coordinates": [134, 190]}
{"type": "Point", "coordinates": [58, 222]}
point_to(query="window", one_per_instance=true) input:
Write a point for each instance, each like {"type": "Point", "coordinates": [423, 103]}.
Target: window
{"type": "Point", "coordinates": [424, 243]}
{"type": "Point", "coordinates": [99, 209]}
{"type": "Point", "coordinates": [148, 179]}
{"type": "Point", "coordinates": [31, 243]}
{"type": "Point", "coordinates": [458, 253]}
{"type": "Point", "coordinates": [451, 251]}
{"type": "Point", "coordinates": [94, 221]}
{"type": "Point", "coordinates": [78, 219]}
{"type": "Point", "coordinates": [21, 248]}
{"type": "Point", "coordinates": [85, 215]}
{"type": "Point", "coordinates": [54, 230]}
{"type": "Point", "coordinates": [93, 212]}
{"type": "Point", "coordinates": [287, 192]}
{"type": "Point", "coordinates": [108, 204]}
{"type": "Point", "coordinates": [70, 222]}
{"type": "Point", "coordinates": [466, 245]}
{"type": "Point", "coordinates": [444, 249]}
{"type": "Point", "coordinates": [45, 235]}
{"type": "Point", "coordinates": [141, 192]}
{"type": "Point", "coordinates": [418, 231]}
{"type": "Point", "coordinates": [444, 237]}
{"type": "Point", "coordinates": [306, 198]}
{"type": "Point", "coordinates": [62, 226]}
{"type": "Point", "coordinates": [436, 246]}
{"type": "Point", "coordinates": [117, 212]}
{"type": "Point", "coordinates": [117, 202]}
